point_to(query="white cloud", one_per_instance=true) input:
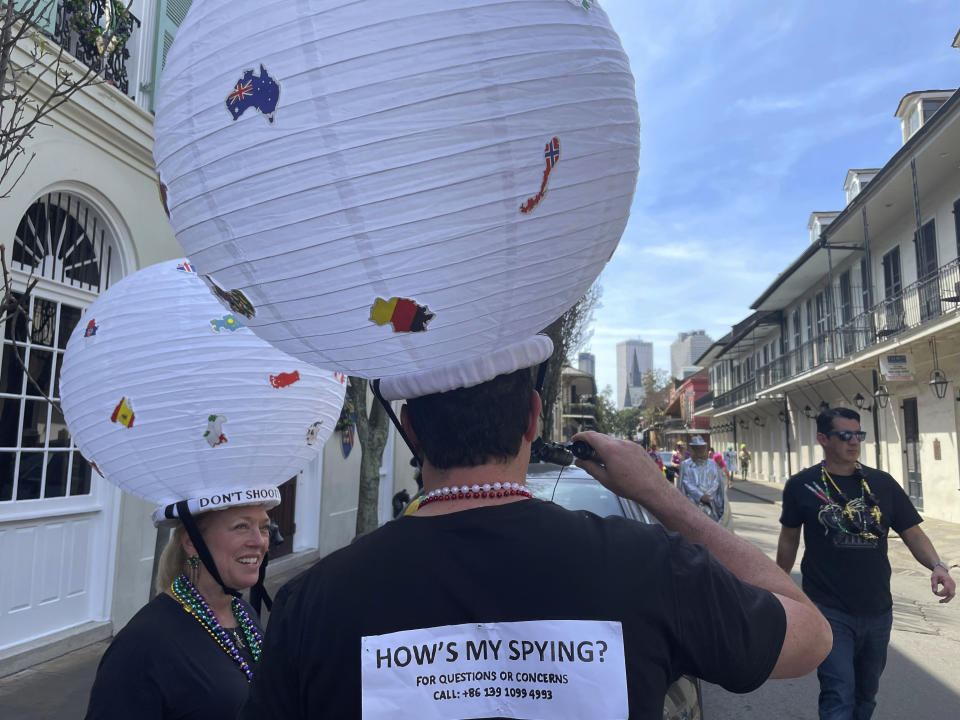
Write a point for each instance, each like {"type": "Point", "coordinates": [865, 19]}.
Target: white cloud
{"type": "Point", "coordinates": [769, 104]}
{"type": "Point", "coordinates": [751, 112]}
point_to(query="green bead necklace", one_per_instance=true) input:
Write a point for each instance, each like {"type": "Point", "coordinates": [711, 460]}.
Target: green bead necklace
{"type": "Point", "coordinates": [192, 602]}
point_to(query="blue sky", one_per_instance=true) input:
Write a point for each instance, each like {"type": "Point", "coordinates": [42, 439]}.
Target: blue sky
{"type": "Point", "coordinates": [751, 114]}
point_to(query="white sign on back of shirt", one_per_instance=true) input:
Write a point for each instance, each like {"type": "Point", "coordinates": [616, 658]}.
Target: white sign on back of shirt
{"type": "Point", "coordinates": [558, 669]}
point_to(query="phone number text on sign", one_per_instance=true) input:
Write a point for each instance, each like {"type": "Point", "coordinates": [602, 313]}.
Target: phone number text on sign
{"type": "Point", "coordinates": [551, 668]}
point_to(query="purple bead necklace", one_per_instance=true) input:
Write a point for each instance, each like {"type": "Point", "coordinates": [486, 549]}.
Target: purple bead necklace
{"type": "Point", "coordinates": [193, 602]}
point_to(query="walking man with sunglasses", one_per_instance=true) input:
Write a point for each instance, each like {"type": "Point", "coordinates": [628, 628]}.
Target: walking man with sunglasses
{"type": "Point", "coordinates": [846, 510]}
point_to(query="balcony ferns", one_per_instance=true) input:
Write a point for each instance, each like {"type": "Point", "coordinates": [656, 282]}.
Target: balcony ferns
{"type": "Point", "coordinates": [108, 37]}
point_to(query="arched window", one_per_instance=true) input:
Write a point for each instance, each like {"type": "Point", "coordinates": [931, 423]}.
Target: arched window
{"type": "Point", "coordinates": [63, 239]}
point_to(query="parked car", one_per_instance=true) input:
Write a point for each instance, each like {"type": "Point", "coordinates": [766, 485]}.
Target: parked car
{"type": "Point", "coordinates": [575, 489]}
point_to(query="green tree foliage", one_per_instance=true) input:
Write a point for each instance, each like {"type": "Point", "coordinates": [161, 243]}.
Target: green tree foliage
{"type": "Point", "coordinates": [657, 386]}
{"type": "Point", "coordinates": [626, 422]}
{"type": "Point", "coordinates": [606, 410]}
{"type": "Point", "coordinates": [569, 333]}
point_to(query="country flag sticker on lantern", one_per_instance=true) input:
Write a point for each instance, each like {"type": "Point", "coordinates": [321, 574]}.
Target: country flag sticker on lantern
{"type": "Point", "coordinates": [449, 177]}
{"type": "Point", "coordinates": [226, 322]}
{"type": "Point", "coordinates": [123, 413]}
{"type": "Point", "coordinates": [167, 409]}
{"type": "Point", "coordinates": [552, 156]}
{"type": "Point", "coordinates": [254, 91]}
{"type": "Point", "coordinates": [402, 313]}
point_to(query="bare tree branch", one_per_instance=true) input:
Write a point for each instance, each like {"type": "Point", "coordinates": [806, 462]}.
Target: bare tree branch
{"type": "Point", "coordinates": [33, 87]}
{"type": "Point", "coordinates": [11, 307]}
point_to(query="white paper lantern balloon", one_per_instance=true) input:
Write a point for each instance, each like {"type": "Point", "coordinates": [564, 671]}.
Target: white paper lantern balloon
{"type": "Point", "coordinates": [172, 397]}
{"type": "Point", "coordinates": [387, 187]}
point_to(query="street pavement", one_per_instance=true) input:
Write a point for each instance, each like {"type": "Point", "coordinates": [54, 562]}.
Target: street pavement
{"type": "Point", "coordinates": [921, 675]}
{"type": "Point", "coordinates": [920, 679]}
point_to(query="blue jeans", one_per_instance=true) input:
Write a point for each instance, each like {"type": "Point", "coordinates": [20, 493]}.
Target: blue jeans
{"type": "Point", "coordinates": [850, 676]}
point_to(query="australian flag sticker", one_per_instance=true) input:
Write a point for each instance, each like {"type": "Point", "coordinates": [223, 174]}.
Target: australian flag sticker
{"type": "Point", "coordinates": [254, 91]}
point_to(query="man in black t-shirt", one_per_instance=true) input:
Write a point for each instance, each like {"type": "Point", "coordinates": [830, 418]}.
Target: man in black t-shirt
{"type": "Point", "coordinates": [488, 603]}
{"type": "Point", "coordinates": [846, 510]}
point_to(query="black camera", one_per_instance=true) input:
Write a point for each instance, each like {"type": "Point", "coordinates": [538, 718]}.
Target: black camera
{"type": "Point", "coordinates": [561, 453]}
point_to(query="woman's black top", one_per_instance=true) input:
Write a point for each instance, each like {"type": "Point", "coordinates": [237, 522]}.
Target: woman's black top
{"type": "Point", "coordinates": [164, 664]}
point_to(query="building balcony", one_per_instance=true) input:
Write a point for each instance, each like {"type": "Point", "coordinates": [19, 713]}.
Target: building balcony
{"type": "Point", "coordinates": [579, 409]}
{"type": "Point", "coordinates": [61, 27]}
{"type": "Point", "coordinates": [922, 302]}
{"type": "Point", "coordinates": [741, 395]}
{"type": "Point", "coordinates": [704, 401]}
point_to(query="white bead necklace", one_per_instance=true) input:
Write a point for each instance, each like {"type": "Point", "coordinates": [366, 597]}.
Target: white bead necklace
{"type": "Point", "coordinates": [492, 490]}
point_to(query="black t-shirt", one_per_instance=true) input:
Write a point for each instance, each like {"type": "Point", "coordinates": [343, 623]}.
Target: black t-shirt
{"type": "Point", "coordinates": [164, 664]}
{"type": "Point", "coordinates": [841, 567]}
{"type": "Point", "coordinates": [681, 612]}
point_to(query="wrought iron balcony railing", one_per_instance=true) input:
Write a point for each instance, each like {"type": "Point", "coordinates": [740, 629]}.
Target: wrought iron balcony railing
{"type": "Point", "coordinates": [113, 68]}
{"type": "Point", "coordinates": [741, 394]}
{"type": "Point", "coordinates": [921, 302]}
{"type": "Point", "coordinates": [580, 409]}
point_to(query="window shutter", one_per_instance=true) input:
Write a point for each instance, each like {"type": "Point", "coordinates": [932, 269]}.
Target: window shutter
{"type": "Point", "coordinates": [45, 16]}
{"type": "Point", "coordinates": [170, 15]}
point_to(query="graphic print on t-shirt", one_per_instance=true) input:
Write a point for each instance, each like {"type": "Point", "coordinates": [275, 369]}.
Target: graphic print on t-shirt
{"type": "Point", "coordinates": [563, 669]}
{"type": "Point", "coordinates": [851, 524]}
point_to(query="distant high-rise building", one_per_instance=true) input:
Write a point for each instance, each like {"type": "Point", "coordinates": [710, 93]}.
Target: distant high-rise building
{"type": "Point", "coordinates": [587, 363]}
{"type": "Point", "coordinates": [634, 358]}
{"type": "Point", "coordinates": [685, 350]}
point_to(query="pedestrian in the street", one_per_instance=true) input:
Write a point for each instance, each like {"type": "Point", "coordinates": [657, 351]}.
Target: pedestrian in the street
{"type": "Point", "coordinates": [846, 510]}
{"type": "Point", "coordinates": [190, 653]}
{"type": "Point", "coordinates": [744, 458]}
{"type": "Point", "coordinates": [718, 459]}
{"type": "Point", "coordinates": [730, 458]}
{"type": "Point", "coordinates": [679, 455]}
{"type": "Point", "coordinates": [499, 575]}
{"type": "Point", "coordinates": [655, 456]}
{"type": "Point", "coordinates": [702, 481]}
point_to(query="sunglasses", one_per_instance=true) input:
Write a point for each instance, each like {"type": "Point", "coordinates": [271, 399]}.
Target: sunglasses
{"type": "Point", "coordinates": [847, 435]}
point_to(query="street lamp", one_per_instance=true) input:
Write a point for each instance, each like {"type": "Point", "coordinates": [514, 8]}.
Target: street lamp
{"type": "Point", "coordinates": [882, 396]}
{"type": "Point", "coordinates": [782, 416]}
{"type": "Point", "coordinates": [938, 383]}
{"type": "Point", "coordinates": [824, 406]}
{"type": "Point", "coordinates": [858, 400]}
{"type": "Point", "coordinates": [938, 380]}
{"type": "Point", "coordinates": [809, 412]}
{"type": "Point", "coordinates": [756, 421]}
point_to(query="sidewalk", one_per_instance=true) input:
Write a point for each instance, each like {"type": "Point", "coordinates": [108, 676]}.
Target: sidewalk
{"type": "Point", "coordinates": [944, 535]}
{"type": "Point", "coordinates": [60, 687]}
{"type": "Point", "coordinates": [771, 492]}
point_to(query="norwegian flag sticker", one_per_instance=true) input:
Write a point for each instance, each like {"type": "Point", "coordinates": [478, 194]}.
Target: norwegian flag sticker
{"type": "Point", "coordinates": [551, 155]}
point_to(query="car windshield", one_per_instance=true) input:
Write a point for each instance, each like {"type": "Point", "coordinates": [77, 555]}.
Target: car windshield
{"type": "Point", "coordinates": [575, 494]}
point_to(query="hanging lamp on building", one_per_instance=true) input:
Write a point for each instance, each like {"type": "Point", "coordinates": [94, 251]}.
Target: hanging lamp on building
{"type": "Point", "coordinates": [938, 379]}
